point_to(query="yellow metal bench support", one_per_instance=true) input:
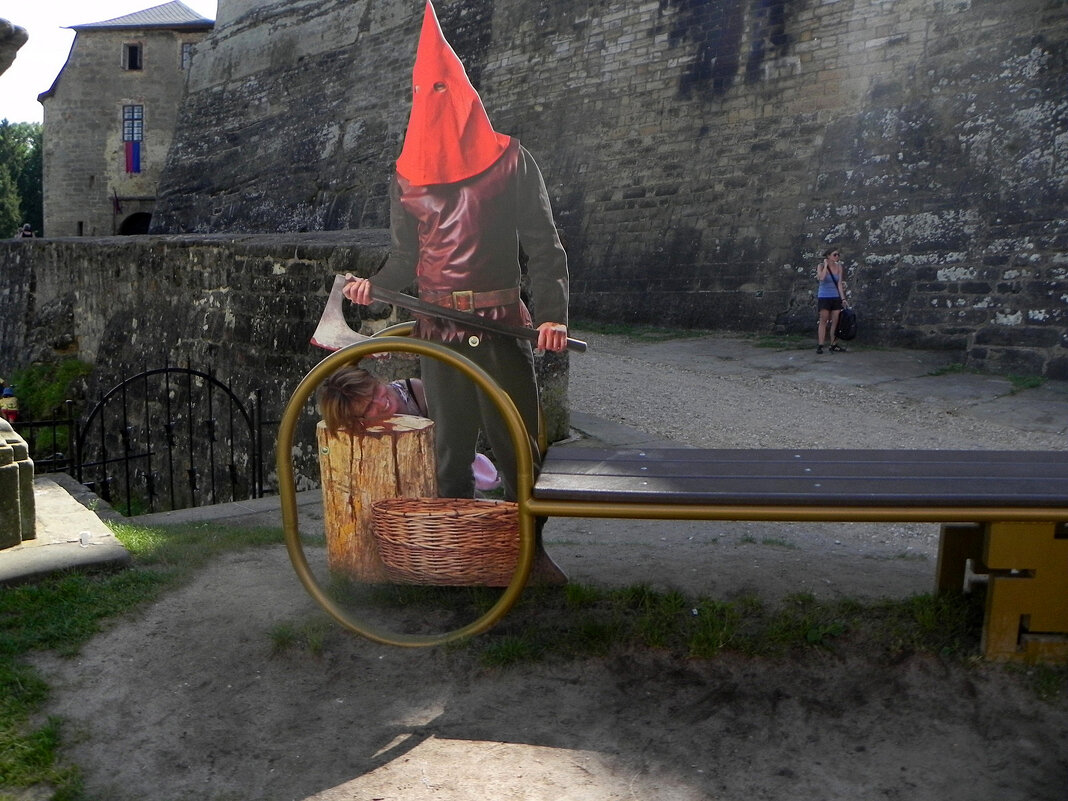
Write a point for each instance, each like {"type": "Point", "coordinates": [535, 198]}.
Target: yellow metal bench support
{"type": "Point", "coordinates": [1026, 568]}
{"type": "Point", "coordinates": [1027, 600]}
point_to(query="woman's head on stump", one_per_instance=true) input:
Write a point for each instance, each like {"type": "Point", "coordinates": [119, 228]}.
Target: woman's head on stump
{"type": "Point", "coordinates": [351, 397]}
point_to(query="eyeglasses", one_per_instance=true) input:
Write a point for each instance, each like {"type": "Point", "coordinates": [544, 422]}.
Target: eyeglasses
{"type": "Point", "coordinates": [835, 255]}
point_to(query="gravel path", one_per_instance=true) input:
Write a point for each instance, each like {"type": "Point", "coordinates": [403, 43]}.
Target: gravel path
{"type": "Point", "coordinates": [718, 391]}
{"type": "Point", "coordinates": [189, 698]}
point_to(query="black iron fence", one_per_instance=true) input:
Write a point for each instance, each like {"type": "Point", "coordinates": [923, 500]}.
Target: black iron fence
{"type": "Point", "coordinates": [50, 441]}
{"type": "Point", "coordinates": [167, 438]}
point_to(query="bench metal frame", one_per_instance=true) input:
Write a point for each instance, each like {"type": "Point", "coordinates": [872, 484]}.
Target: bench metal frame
{"type": "Point", "coordinates": [1022, 549]}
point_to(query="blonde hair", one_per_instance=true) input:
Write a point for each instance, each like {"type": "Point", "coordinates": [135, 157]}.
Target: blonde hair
{"type": "Point", "coordinates": [344, 397]}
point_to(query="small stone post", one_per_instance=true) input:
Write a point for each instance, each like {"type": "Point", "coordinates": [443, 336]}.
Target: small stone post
{"type": "Point", "coordinates": [10, 509]}
{"type": "Point", "coordinates": [24, 465]}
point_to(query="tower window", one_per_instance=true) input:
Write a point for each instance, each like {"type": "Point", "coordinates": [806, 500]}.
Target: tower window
{"type": "Point", "coordinates": [133, 123]}
{"type": "Point", "coordinates": [131, 56]}
{"type": "Point", "coordinates": [133, 133]}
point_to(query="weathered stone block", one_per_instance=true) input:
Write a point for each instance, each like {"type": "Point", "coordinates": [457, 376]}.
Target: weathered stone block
{"type": "Point", "coordinates": [1012, 361]}
{"type": "Point", "coordinates": [1018, 336]}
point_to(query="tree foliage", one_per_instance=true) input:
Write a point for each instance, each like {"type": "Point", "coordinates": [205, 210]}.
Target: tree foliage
{"type": "Point", "coordinates": [10, 215]}
{"type": "Point", "coordinates": [20, 177]}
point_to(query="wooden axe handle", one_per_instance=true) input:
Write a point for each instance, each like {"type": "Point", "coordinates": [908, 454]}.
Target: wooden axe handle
{"type": "Point", "coordinates": [473, 320]}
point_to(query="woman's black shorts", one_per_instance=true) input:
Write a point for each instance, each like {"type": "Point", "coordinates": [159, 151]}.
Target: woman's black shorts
{"type": "Point", "coordinates": [830, 304]}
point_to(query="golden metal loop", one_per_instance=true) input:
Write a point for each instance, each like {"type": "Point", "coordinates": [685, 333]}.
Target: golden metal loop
{"type": "Point", "coordinates": [287, 484]}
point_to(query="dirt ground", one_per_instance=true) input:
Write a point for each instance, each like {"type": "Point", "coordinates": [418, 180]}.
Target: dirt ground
{"type": "Point", "coordinates": [186, 699]}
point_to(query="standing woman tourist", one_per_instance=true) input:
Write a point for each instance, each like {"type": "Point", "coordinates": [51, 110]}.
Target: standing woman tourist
{"type": "Point", "coordinates": [830, 275]}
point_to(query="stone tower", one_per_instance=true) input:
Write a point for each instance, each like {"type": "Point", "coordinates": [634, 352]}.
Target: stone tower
{"type": "Point", "coordinates": [109, 119]}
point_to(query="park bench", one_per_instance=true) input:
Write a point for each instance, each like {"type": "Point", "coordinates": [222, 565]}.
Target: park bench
{"type": "Point", "coordinates": [1003, 513]}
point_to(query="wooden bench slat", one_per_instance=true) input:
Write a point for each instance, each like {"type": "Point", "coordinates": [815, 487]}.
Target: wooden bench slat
{"type": "Point", "coordinates": [830, 456]}
{"type": "Point", "coordinates": [812, 478]}
{"type": "Point", "coordinates": [805, 491]}
{"type": "Point", "coordinates": [829, 471]}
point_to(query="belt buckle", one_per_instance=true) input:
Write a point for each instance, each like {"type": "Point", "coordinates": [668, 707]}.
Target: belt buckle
{"type": "Point", "coordinates": [463, 300]}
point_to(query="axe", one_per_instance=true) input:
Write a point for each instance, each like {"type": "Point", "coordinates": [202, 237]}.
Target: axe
{"type": "Point", "coordinates": [334, 332]}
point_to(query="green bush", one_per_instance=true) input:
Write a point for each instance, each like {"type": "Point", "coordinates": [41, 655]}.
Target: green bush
{"type": "Point", "coordinates": [42, 388]}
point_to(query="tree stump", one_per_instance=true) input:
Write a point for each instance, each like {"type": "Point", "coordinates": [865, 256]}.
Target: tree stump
{"type": "Point", "coordinates": [390, 459]}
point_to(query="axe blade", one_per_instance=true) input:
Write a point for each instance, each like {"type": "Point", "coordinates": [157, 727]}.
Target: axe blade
{"type": "Point", "coordinates": [333, 331]}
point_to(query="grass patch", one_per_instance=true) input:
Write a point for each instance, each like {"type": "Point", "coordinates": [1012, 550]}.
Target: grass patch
{"type": "Point", "coordinates": [1025, 382]}
{"type": "Point", "coordinates": [310, 637]}
{"type": "Point", "coordinates": [509, 651]}
{"type": "Point", "coordinates": [955, 368]}
{"type": "Point", "coordinates": [912, 556]}
{"type": "Point", "coordinates": [61, 614]}
{"type": "Point", "coordinates": [777, 542]}
{"type": "Point", "coordinates": [185, 549]}
{"type": "Point", "coordinates": [771, 542]}
{"type": "Point", "coordinates": [784, 341]}
{"type": "Point", "coordinates": [1048, 682]}
{"type": "Point", "coordinates": [1020, 383]}
{"type": "Point", "coordinates": [583, 622]}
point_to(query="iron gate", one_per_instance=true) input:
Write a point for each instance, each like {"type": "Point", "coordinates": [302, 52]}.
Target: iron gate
{"type": "Point", "coordinates": [171, 438]}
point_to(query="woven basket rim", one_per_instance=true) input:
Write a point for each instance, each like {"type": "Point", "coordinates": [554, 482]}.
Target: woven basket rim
{"type": "Point", "coordinates": [442, 501]}
{"type": "Point", "coordinates": [447, 540]}
{"type": "Point", "coordinates": [417, 507]}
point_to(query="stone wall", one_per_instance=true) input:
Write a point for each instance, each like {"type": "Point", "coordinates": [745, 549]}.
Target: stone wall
{"type": "Point", "coordinates": [699, 154]}
{"type": "Point", "coordinates": [240, 306]}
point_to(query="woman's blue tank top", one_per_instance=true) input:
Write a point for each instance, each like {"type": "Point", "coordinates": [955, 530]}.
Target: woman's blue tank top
{"type": "Point", "coordinates": [829, 286]}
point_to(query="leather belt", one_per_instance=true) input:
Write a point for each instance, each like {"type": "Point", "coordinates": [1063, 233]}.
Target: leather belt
{"type": "Point", "coordinates": [466, 300]}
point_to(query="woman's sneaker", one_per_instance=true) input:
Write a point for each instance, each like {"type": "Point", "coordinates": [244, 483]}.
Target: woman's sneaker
{"type": "Point", "coordinates": [819, 349]}
{"type": "Point", "coordinates": [837, 349]}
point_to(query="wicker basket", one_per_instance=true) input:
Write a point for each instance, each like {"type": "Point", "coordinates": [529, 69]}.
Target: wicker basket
{"type": "Point", "coordinates": [447, 541]}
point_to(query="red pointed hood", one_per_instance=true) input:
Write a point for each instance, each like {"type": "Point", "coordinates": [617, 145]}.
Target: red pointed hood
{"type": "Point", "coordinates": [449, 134]}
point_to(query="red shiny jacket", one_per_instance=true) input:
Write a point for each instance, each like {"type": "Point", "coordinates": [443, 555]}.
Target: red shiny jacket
{"type": "Point", "coordinates": [464, 237]}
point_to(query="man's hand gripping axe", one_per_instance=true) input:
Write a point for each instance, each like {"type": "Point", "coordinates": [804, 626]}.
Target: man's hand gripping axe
{"type": "Point", "coordinates": [334, 332]}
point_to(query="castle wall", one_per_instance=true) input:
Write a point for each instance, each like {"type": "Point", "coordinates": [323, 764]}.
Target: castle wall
{"type": "Point", "coordinates": [699, 155]}
{"type": "Point", "coordinates": [241, 306]}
